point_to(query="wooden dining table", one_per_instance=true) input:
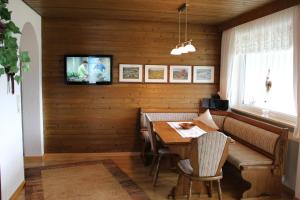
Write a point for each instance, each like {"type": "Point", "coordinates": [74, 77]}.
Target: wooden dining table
{"type": "Point", "coordinates": [180, 146]}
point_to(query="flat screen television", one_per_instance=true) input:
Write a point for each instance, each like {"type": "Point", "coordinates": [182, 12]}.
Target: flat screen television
{"type": "Point", "coordinates": [88, 69]}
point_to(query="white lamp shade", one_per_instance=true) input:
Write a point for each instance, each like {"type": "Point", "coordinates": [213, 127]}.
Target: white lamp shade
{"type": "Point", "coordinates": [186, 48]}
{"type": "Point", "coordinates": [190, 48]}
{"type": "Point", "coordinates": [182, 49]}
{"type": "Point", "coordinates": [175, 52]}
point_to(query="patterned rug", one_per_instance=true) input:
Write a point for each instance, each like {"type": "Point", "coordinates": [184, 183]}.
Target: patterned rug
{"type": "Point", "coordinates": [92, 180]}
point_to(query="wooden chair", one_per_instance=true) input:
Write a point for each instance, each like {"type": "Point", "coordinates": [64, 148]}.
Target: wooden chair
{"type": "Point", "coordinates": [208, 155]}
{"type": "Point", "coordinates": [159, 152]}
{"type": "Point", "coordinates": [145, 145]}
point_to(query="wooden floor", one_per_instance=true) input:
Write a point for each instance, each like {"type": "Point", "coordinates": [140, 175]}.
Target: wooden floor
{"type": "Point", "coordinates": [131, 164]}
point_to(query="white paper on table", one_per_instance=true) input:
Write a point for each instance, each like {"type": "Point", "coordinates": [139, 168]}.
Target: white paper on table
{"type": "Point", "coordinates": [187, 133]}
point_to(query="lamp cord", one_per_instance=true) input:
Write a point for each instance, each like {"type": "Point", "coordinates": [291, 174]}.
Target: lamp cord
{"type": "Point", "coordinates": [179, 28]}
{"type": "Point", "coordinates": [186, 11]}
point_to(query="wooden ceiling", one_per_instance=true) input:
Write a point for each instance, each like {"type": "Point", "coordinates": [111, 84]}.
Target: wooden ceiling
{"type": "Point", "coordinates": [200, 11]}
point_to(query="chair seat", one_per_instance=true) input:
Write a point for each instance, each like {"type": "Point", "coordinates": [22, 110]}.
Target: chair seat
{"type": "Point", "coordinates": [185, 166]}
{"type": "Point", "coordinates": [164, 150]}
{"type": "Point", "coordinates": [241, 155]}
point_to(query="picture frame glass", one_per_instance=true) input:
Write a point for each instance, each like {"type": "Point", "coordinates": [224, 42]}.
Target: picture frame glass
{"type": "Point", "coordinates": [156, 73]}
{"type": "Point", "coordinates": [203, 74]}
{"type": "Point", "coordinates": [130, 73]}
{"type": "Point", "coordinates": [180, 74]}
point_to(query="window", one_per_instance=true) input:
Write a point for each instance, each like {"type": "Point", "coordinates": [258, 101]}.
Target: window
{"type": "Point", "coordinates": [278, 66]}
{"type": "Point", "coordinates": [264, 49]}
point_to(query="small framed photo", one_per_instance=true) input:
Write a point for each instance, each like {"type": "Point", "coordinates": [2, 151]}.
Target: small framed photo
{"type": "Point", "coordinates": [180, 74]}
{"type": "Point", "coordinates": [156, 73]}
{"type": "Point", "coordinates": [130, 73]}
{"type": "Point", "coordinates": [204, 74]}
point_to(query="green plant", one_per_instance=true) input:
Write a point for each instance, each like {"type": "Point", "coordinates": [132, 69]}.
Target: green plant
{"type": "Point", "coordinates": [11, 60]}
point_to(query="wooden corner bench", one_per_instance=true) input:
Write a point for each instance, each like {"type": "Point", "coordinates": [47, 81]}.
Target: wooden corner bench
{"type": "Point", "coordinates": [258, 151]}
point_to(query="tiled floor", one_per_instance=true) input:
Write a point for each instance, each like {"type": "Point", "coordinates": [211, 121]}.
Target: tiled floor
{"type": "Point", "coordinates": [232, 184]}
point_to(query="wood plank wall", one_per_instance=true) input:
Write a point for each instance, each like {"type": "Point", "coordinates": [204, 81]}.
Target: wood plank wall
{"type": "Point", "coordinates": [105, 118]}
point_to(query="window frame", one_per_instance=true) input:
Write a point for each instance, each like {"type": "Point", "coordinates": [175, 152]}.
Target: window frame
{"type": "Point", "coordinates": [273, 116]}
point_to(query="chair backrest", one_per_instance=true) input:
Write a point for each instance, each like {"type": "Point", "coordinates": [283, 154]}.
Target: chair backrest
{"type": "Point", "coordinates": [209, 153]}
{"type": "Point", "coordinates": [152, 135]}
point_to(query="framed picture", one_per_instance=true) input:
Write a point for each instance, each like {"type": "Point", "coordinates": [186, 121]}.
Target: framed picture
{"type": "Point", "coordinates": [156, 73]}
{"type": "Point", "coordinates": [180, 74]}
{"type": "Point", "coordinates": [204, 74]}
{"type": "Point", "coordinates": [130, 73]}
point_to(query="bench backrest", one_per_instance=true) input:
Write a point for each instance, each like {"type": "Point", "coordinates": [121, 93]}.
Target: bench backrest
{"type": "Point", "coordinates": [166, 115]}
{"type": "Point", "coordinates": [265, 138]}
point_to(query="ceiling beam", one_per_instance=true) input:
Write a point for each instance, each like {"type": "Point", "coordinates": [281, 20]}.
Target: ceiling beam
{"type": "Point", "coordinates": [263, 11]}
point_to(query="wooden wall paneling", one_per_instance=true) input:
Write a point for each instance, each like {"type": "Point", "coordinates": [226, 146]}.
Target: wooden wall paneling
{"type": "Point", "coordinates": [105, 118]}
{"type": "Point", "coordinates": [204, 11]}
{"type": "Point", "coordinates": [263, 11]}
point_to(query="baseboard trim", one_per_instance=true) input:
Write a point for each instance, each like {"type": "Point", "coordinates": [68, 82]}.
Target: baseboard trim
{"type": "Point", "coordinates": [68, 155]}
{"type": "Point", "coordinates": [18, 191]}
{"type": "Point", "coordinates": [33, 158]}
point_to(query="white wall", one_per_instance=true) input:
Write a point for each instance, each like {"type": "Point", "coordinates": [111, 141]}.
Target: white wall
{"type": "Point", "coordinates": [11, 145]}
{"type": "Point", "coordinates": [31, 91]}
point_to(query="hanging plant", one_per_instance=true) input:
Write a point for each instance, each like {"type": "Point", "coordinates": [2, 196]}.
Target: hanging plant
{"type": "Point", "coordinates": [11, 60]}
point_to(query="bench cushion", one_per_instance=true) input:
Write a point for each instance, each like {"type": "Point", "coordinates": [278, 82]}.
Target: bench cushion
{"type": "Point", "coordinates": [219, 120]}
{"type": "Point", "coordinates": [207, 119]}
{"type": "Point", "coordinates": [241, 155]}
{"type": "Point", "coordinates": [258, 137]}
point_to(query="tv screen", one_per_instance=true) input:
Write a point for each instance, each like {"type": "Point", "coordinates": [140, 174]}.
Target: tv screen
{"type": "Point", "coordinates": [88, 69]}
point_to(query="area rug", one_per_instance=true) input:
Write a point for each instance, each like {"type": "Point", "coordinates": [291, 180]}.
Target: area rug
{"type": "Point", "coordinates": [92, 180]}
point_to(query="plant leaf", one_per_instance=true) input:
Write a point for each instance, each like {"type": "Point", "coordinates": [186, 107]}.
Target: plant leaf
{"type": "Point", "coordinates": [13, 69]}
{"type": "Point", "coordinates": [25, 67]}
{"type": "Point", "coordinates": [10, 42]}
{"type": "Point", "coordinates": [11, 57]}
{"type": "Point", "coordinates": [18, 79]}
{"type": "Point", "coordinates": [7, 33]}
{"type": "Point", "coordinates": [2, 71]}
{"type": "Point", "coordinates": [4, 1]}
{"type": "Point", "coordinates": [5, 14]}
{"type": "Point", "coordinates": [12, 27]}
{"type": "Point", "coordinates": [2, 58]}
{"type": "Point", "coordinates": [24, 57]}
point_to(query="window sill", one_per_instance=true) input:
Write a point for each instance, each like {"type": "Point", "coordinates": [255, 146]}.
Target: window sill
{"type": "Point", "coordinates": [279, 121]}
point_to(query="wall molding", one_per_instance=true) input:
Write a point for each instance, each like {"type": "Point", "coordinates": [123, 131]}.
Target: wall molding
{"type": "Point", "coordinates": [18, 191]}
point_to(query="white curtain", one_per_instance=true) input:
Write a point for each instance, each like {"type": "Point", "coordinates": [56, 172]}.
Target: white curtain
{"type": "Point", "coordinates": [270, 33]}
{"type": "Point", "coordinates": [296, 24]}
{"type": "Point", "coordinates": [248, 52]}
{"type": "Point", "coordinates": [227, 58]}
